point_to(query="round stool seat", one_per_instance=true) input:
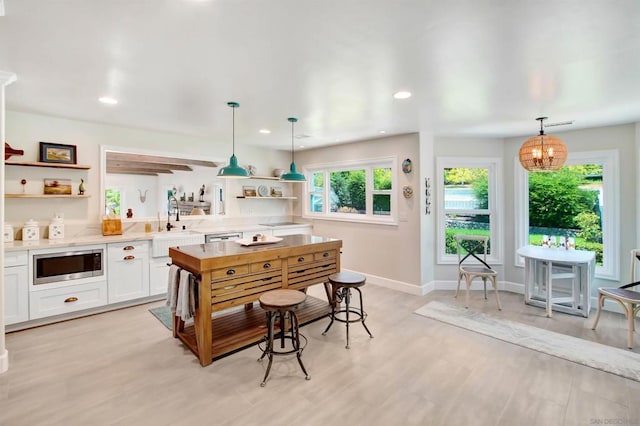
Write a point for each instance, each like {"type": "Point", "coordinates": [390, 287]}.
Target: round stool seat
{"type": "Point", "coordinates": [347, 279]}
{"type": "Point", "coordinates": [282, 300]}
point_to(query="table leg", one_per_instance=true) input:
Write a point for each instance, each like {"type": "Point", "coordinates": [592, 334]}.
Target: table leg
{"type": "Point", "coordinates": [549, 288]}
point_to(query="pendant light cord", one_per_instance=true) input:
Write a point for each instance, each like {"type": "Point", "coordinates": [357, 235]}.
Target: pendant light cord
{"type": "Point", "coordinates": [292, 124]}
{"type": "Point", "coordinates": [233, 131]}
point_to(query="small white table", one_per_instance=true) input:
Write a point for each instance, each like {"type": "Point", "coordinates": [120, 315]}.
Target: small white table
{"type": "Point", "coordinates": [543, 265]}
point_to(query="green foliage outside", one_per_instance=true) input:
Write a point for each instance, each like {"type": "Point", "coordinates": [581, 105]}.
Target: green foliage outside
{"type": "Point", "coordinates": [349, 189]}
{"type": "Point", "coordinates": [556, 199]}
{"type": "Point", "coordinates": [561, 200]}
{"type": "Point", "coordinates": [112, 201]}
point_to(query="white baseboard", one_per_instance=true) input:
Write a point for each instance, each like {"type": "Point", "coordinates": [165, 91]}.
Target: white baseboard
{"type": "Point", "coordinates": [4, 361]}
{"type": "Point", "coordinates": [426, 288]}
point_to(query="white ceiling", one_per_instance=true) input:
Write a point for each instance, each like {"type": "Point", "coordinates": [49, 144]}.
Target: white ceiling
{"type": "Point", "coordinates": [475, 67]}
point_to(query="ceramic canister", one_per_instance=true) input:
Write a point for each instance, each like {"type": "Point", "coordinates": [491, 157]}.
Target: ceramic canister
{"type": "Point", "coordinates": [30, 231]}
{"type": "Point", "coordinates": [8, 232]}
{"type": "Point", "coordinates": [56, 229]}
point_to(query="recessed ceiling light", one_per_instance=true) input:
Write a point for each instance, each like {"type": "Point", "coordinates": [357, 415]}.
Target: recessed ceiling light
{"type": "Point", "coordinates": [264, 131]}
{"type": "Point", "coordinates": [402, 95]}
{"type": "Point", "coordinates": [108, 100]}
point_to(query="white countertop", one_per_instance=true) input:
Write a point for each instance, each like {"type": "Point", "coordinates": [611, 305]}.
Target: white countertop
{"type": "Point", "coordinates": [19, 245]}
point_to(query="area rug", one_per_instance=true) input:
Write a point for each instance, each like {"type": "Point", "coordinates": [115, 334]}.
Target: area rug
{"type": "Point", "coordinates": [602, 357]}
{"type": "Point", "coordinates": [163, 313]}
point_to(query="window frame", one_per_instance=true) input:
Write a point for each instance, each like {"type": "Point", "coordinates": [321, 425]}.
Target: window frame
{"type": "Point", "coordinates": [610, 160]}
{"type": "Point", "coordinates": [496, 205]}
{"type": "Point", "coordinates": [368, 165]}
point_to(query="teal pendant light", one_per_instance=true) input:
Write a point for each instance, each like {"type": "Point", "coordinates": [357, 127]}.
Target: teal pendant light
{"type": "Point", "coordinates": [292, 175]}
{"type": "Point", "coordinates": [233, 171]}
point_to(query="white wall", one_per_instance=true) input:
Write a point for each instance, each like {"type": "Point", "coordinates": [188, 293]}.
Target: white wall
{"type": "Point", "coordinates": [391, 253]}
{"type": "Point", "coordinates": [25, 131]}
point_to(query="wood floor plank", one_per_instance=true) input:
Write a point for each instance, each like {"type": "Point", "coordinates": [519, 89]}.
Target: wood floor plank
{"type": "Point", "coordinates": [125, 368]}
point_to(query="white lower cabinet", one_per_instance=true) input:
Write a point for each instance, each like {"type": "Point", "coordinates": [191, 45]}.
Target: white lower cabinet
{"type": "Point", "coordinates": [128, 270]}
{"type": "Point", "coordinates": [16, 287]}
{"type": "Point", "coordinates": [62, 300]}
{"type": "Point", "coordinates": [158, 275]}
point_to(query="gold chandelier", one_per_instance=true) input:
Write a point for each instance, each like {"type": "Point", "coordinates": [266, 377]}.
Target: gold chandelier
{"type": "Point", "coordinates": [543, 153]}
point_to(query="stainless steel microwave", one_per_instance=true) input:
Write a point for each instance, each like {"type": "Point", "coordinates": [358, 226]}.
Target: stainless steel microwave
{"type": "Point", "coordinates": [65, 266]}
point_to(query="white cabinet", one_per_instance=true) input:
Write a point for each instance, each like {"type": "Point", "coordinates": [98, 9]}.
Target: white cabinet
{"type": "Point", "coordinates": [63, 300]}
{"type": "Point", "coordinates": [158, 275]}
{"type": "Point", "coordinates": [16, 287]}
{"type": "Point", "coordinates": [128, 270]}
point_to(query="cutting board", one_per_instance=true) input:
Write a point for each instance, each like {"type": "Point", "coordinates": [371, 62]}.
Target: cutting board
{"type": "Point", "coordinates": [111, 227]}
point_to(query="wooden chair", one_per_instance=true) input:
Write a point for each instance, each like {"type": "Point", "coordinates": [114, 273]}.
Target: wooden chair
{"type": "Point", "coordinates": [628, 299]}
{"type": "Point", "coordinates": [469, 247]}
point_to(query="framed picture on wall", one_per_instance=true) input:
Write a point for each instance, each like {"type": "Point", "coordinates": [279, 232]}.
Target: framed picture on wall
{"type": "Point", "coordinates": [57, 186]}
{"type": "Point", "coordinates": [57, 153]}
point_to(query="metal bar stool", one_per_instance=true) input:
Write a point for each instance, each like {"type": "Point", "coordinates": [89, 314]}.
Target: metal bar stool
{"type": "Point", "coordinates": [342, 283]}
{"type": "Point", "coordinates": [282, 304]}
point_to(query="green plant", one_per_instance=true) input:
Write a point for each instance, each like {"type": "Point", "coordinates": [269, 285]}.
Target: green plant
{"type": "Point", "coordinates": [589, 224]}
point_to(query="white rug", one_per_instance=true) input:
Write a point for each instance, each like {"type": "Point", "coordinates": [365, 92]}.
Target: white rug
{"type": "Point", "coordinates": [606, 358]}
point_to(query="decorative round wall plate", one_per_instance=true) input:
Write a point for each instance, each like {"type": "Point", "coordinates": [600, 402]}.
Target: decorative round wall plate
{"type": "Point", "coordinates": [263, 191]}
{"type": "Point", "coordinates": [407, 191]}
{"type": "Point", "coordinates": [407, 165]}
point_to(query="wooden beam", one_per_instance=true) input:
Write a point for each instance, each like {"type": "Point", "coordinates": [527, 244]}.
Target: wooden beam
{"type": "Point", "coordinates": [143, 165]}
{"type": "Point", "coordinates": [123, 156]}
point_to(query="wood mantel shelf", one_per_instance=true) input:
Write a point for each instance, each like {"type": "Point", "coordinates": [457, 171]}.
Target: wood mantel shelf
{"type": "Point", "coordinates": [45, 196]}
{"type": "Point", "coordinates": [52, 165]}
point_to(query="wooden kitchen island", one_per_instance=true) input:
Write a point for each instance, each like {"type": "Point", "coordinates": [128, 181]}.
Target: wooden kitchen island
{"type": "Point", "coordinates": [230, 275]}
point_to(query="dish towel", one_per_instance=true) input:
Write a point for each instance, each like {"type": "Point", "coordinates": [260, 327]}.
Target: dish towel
{"type": "Point", "coordinates": [185, 306]}
{"type": "Point", "coordinates": [172, 289]}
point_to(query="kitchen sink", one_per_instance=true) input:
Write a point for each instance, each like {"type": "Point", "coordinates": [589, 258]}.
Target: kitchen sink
{"type": "Point", "coordinates": [175, 234]}
{"type": "Point", "coordinates": [161, 242]}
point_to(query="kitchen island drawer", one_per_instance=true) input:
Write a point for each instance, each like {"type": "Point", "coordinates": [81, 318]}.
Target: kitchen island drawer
{"type": "Point", "coordinates": [231, 271]}
{"type": "Point", "coordinates": [63, 300]}
{"type": "Point", "coordinates": [265, 266]}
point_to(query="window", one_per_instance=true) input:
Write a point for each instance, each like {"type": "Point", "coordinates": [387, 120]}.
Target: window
{"type": "Point", "coordinates": [469, 204]}
{"type": "Point", "coordinates": [113, 201]}
{"type": "Point", "coordinates": [356, 191]}
{"type": "Point", "coordinates": [589, 183]}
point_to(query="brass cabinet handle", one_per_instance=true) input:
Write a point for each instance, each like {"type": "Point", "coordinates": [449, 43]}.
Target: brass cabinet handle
{"type": "Point", "coordinates": [70, 299]}
{"type": "Point", "coordinates": [128, 258]}
{"type": "Point", "coordinates": [231, 272]}
{"type": "Point", "coordinates": [129, 248]}
{"type": "Point", "coordinates": [325, 254]}
{"type": "Point", "coordinates": [301, 259]}
{"type": "Point", "coordinates": [266, 265]}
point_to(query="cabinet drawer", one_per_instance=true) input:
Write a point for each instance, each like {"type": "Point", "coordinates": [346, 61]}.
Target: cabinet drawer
{"type": "Point", "coordinates": [323, 255]}
{"type": "Point", "coordinates": [267, 265]}
{"type": "Point", "coordinates": [300, 259]}
{"type": "Point", "coordinates": [67, 299]}
{"type": "Point", "coordinates": [15, 258]}
{"type": "Point", "coordinates": [231, 271]}
{"type": "Point", "coordinates": [119, 250]}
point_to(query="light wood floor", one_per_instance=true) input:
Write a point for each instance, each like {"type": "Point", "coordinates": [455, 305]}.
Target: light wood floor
{"type": "Point", "coordinates": [124, 368]}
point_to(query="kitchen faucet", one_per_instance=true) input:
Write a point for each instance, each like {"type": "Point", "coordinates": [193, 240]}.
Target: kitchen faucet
{"type": "Point", "coordinates": [169, 225]}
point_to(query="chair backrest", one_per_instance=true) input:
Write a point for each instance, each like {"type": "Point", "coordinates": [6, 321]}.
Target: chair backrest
{"type": "Point", "coordinates": [635, 265]}
{"type": "Point", "coordinates": [470, 246]}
